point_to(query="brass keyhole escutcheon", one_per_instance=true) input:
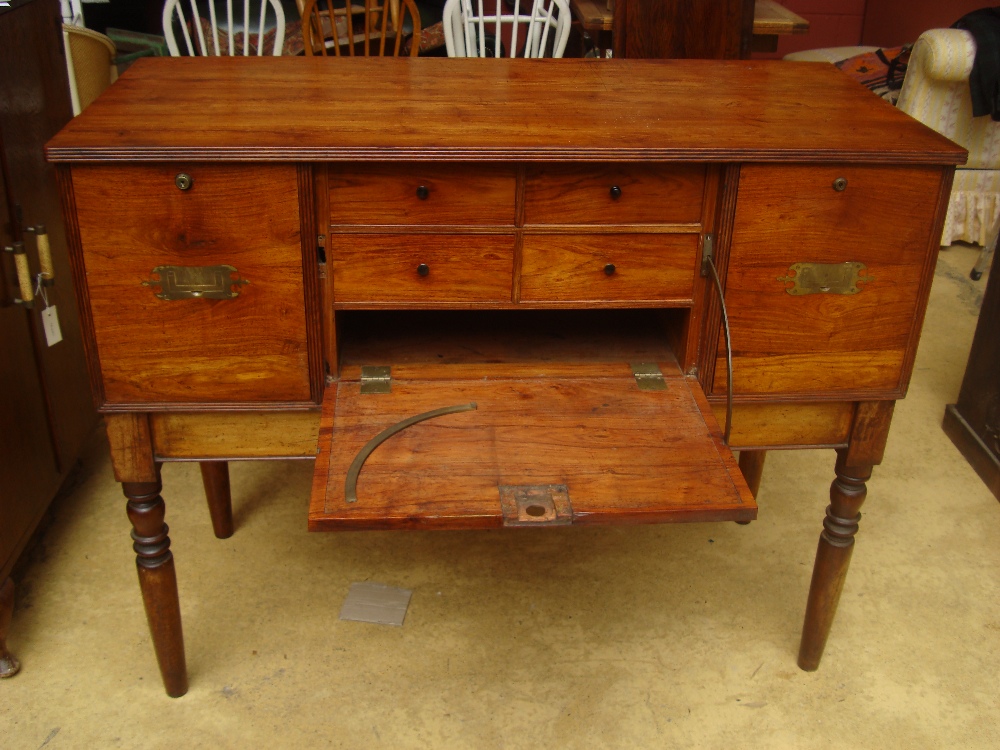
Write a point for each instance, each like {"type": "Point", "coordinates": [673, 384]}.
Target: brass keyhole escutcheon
{"type": "Point", "coordinates": [840, 184]}
{"type": "Point", "coordinates": [183, 181]}
{"type": "Point", "coordinates": [423, 192]}
{"type": "Point", "coordinates": [423, 269]}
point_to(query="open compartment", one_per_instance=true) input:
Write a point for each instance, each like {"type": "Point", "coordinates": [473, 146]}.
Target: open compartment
{"type": "Point", "coordinates": [485, 419]}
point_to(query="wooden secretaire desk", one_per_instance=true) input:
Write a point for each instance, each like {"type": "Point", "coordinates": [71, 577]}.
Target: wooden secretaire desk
{"type": "Point", "coordinates": [480, 293]}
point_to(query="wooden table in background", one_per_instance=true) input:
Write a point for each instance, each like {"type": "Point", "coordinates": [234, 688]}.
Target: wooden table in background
{"type": "Point", "coordinates": [770, 20]}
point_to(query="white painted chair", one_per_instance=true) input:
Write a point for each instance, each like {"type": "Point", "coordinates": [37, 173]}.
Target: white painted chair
{"type": "Point", "coordinates": [533, 28]}
{"type": "Point", "coordinates": [192, 25]}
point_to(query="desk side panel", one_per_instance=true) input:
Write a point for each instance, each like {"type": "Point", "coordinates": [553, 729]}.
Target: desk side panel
{"type": "Point", "coordinates": [154, 353]}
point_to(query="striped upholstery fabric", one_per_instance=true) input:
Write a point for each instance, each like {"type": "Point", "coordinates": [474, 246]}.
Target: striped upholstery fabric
{"type": "Point", "coordinates": [936, 92]}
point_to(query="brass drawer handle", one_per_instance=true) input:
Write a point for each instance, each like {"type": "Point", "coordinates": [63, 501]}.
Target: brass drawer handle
{"type": "Point", "coordinates": [423, 269]}
{"type": "Point", "coordinates": [616, 192]}
{"type": "Point", "coordinates": [197, 282]}
{"type": "Point", "coordinates": [183, 181]}
{"type": "Point", "coordinates": [423, 192]}
{"type": "Point", "coordinates": [840, 184]}
{"type": "Point", "coordinates": [609, 269]}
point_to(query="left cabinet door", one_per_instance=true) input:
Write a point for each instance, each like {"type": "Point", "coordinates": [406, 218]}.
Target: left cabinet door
{"type": "Point", "coordinates": [46, 412]}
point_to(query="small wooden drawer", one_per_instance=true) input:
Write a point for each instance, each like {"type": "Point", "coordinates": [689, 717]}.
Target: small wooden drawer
{"type": "Point", "coordinates": [614, 194]}
{"type": "Point", "coordinates": [626, 268]}
{"type": "Point", "coordinates": [397, 194]}
{"type": "Point", "coordinates": [142, 226]}
{"type": "Point", "coordinates": [422, 269]}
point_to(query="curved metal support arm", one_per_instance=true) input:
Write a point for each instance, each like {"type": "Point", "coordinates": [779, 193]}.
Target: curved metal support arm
{"type": "Point", "coordinates": [729, 349]}
{"type": "Point", "coordinates": [350, 486]}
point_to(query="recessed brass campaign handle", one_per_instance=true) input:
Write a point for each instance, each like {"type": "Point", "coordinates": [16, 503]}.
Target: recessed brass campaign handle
{"type": "Point", "coordinates": [197, 282]}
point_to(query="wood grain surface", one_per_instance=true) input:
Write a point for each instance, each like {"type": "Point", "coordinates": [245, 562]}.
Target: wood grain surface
{"type": "Point", "coordinates": [827, 343]}
{"type": "Point", "coordinates": [252, 348]}
{"type": "Point", "coordinates": [374, 194]}
{"type": "Point", "coordinates": [582, 194]}
{"type": "Point", "coordinates": [648, 269]}
{"type": "Point", "coordinates": [427, 109]}
{"type": "Point", "coordinates": [626, 456]}
{"type": "Point", "coordinates": [373, 269]}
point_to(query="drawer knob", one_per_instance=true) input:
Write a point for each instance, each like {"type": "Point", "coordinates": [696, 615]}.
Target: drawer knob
{"type": "Point", "coordinates": [423, 269]}
{"type": "Point", "coordinates": [423, 192]}
{"type": "Point", "coordinates": [609, 269]}
{"type": "Point", "coordinates": [616, 192]}
{"type": "Point", "coordinates": [840, 184]}
{"type": "Point", "coordinates": [183, 181]}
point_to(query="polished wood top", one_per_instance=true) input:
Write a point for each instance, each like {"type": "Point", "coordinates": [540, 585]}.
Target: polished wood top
{"type": "Point", "coordinates": [422, 109]}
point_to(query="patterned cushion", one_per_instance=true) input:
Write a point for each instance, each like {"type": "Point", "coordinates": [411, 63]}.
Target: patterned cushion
{"type": "Point", "coordinates": [881, 71]}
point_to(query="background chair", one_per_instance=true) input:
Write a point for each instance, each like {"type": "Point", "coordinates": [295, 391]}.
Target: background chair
{"type": "Point", "coordinates": [507, 29]}
{"type": "Point", "coordinates": [936, 92]}
{"type": "Point", "coordinates": [90, 58]}
{"type": "Point", "coordinates": [361, 26]}
{"type": "Point", "coordinates": [256, 39]}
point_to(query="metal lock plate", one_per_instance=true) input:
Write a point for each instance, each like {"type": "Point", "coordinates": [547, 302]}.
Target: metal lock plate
{"type": "Point", "coordinates": [535, 505]}
{"type": "Point", "coordinates": [826, 278]}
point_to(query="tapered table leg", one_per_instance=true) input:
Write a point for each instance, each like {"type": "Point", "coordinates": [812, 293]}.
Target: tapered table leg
{"type": "Point", "coordinates": [215, 476]}
{"type": "Point", "coordinates": [158, 581]}
{"type": "Point", "coordinates": [9, 665]}
{"type": "Point", "coordinates": [752, 466]}
{"type": "Point", "coordinates": [836, 542]}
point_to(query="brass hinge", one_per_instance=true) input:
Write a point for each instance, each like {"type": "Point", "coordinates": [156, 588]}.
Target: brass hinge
{"type": "Point", "coordinates": [648, 376]}
{"type": "Point", "coordinates": [376, 379]}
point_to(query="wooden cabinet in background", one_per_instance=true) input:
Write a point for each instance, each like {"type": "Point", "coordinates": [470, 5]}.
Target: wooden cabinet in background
{"type": "Point", "coordinates": [973, 423]}
{"type": "Point", "coordinates": [46, 411]}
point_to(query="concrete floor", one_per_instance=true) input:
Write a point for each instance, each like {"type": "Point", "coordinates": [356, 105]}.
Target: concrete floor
{"type": "Point", "coordinates": [661, 636]}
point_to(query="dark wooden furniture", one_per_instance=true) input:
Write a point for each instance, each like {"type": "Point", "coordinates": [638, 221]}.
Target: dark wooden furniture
{"type": "Point", "coordinates": [697, 29]}
{"type": "Point", "coordinates": [973, 424]}
{"type": "Point", "coordinates": [543, 250]}
{"type": "Point", "coordinates": [45, 407]}
{"type": "Point", "coordinates": [770, 20]}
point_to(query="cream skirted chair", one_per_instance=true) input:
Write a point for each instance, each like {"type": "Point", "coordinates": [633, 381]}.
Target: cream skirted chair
{"type": "Point", "coordinates": [936, 92]}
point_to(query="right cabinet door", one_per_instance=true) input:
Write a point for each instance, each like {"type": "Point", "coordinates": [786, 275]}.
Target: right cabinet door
{"type": "Point", "coordinates": [801, 326]}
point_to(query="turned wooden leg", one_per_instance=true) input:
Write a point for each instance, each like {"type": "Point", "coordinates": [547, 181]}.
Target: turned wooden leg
{"type": "Point", "coordinates": [215, 476]}
{"type": "Point", "coordinates": [836, 542]}
{"type": "Point", "coordinates": [9, 665]}
{"type": "Point", "coordinates": [158, 581]}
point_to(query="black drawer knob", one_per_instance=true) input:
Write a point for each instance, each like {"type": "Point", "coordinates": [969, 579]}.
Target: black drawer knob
{"type": "Point", "coordinates": [609, 269]}
{"type": "Point", "coordinates": [423, 269]}
{"type": "Point", "coordinates": [423, 192]}
{"type": "Point", "coordinates": [840, 184]}
{"type": "Point", "coordinates": [616, 192]}
{"type": "Point", "coordinates": [183, 181]}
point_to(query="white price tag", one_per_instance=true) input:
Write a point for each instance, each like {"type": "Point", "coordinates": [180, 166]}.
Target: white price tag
{"type": "Point", "coordinates": [50, 321]}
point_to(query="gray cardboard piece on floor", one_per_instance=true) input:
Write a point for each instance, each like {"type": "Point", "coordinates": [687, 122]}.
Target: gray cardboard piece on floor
{"type": "Point", "coordinates": [373, 602]}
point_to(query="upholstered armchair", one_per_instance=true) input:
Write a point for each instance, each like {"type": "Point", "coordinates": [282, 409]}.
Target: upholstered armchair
{"type": "Point", "coordinates": [936, 92]}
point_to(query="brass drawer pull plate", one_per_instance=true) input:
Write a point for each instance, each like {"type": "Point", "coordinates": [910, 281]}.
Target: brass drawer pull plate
{"type": "Point", "coordinates": [197, 282]}
{"type": "Point", "coordinates": [826, 278]}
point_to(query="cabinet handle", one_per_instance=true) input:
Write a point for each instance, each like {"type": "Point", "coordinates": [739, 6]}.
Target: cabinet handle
{"type": "Point", "coordinates": [840, 184]}
{"type": "Point", "coordinates": [616, 192]}
{"type": "Point", "coordinates": [609, 269]}
{"type": "Point", "coordinates": [44, 254]}
{"type": "Point", "coordinates": [423, 269]}
{"type": "Point", "coordinates": [183, 181]}
{"type": "Point", "coordinates": [23, 275]}
{"type": "Point", "coordinates": [423, 192]}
